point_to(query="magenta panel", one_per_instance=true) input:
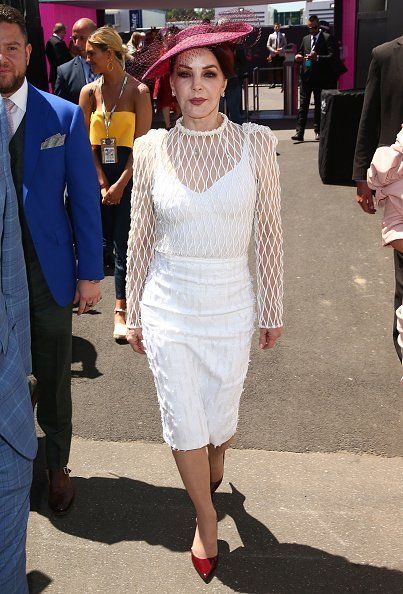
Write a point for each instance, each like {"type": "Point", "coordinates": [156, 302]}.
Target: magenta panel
{"type": "Point", "coordinates": [348, 43]}
{"type": "Point", "coordinates": [55, 13]}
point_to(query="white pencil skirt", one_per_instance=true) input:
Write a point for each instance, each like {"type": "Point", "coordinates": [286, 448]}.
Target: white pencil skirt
{"type": "Point", "coordinates": [197, 319]}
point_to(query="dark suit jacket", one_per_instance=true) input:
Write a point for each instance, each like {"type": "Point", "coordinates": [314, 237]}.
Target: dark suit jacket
{"type": "Point", "coordinates": [382, 112]}
{"type": "Point", "coordinates": [320, 73]}
{"type": "Point", "coordinates": [70, 80]}
{"type": "Point", "coordinates": [57, 53]}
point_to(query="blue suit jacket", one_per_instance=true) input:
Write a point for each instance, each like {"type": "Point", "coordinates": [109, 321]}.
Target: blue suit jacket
{"type": "Point", "coordinates": [16, 418]}
{"type": "Point", "coordinates": [46, 174]}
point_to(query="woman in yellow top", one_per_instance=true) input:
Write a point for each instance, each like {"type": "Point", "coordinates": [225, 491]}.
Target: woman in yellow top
{"type": "Point", "coordinates": [117, 109]}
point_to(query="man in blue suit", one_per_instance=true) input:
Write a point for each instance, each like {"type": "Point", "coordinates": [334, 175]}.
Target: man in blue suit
{"type": "Point", "coordinates": [50, 151]}
{"type": "Point", "coordinates": [18, 441]}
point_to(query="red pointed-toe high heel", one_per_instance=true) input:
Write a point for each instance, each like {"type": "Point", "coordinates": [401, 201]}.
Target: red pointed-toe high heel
{"type": "Point", "coordinates": [215, 484]}
{"type": "Point", "coordinates": [205, 567]}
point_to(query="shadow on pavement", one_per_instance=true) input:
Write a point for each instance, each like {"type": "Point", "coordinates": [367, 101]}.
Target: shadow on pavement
{"type": "Point", "coordinates": [110, 510]}
{"type": "Point", "coordinates": [85, 353]}
{"type": "Point", "coordinates": [38, 582]}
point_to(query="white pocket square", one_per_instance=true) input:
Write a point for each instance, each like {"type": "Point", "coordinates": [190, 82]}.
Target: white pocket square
{"type": "Point", "coordinates": [53, 141]}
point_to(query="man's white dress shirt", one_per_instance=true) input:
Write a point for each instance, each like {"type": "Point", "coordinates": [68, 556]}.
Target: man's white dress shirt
{"type": "Point", "coordinates": [19, 100]}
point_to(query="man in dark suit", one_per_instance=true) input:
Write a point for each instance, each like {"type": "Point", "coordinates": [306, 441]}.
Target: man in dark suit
{"type": "Point", "coordinates": [73, 75]}
{"type": "Point", "coordinates": [50, 150]}
{"type": "Point", "coordinates": [381, 119]}
{"type": "Point", "coordinates": [57, 51]}
{"type": "Point", "coordinates": [316, 55]}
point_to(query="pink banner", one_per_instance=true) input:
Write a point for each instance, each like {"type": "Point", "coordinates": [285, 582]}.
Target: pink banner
{"type": "Point", "coordinates": [348, 43]}
{"type": "Point", "coordinates": [61, 13]}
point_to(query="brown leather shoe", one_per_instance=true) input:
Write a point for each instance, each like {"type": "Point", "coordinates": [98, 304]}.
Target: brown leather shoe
{"type": "Point", "coordinates": [61, 491]}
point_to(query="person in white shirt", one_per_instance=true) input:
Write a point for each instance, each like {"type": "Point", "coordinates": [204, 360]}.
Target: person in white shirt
{"type": "Point", "coordinates": [316, 56]}
{"type": "Point", "coordinates": [276, 47]}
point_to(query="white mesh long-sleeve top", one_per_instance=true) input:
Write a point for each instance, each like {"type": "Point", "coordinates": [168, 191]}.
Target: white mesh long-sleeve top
{"type": "Point", "coordinates": [200, 195]}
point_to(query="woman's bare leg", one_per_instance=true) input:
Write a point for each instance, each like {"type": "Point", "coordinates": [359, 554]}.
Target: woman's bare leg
{"type": "Point", "coordinates": [216, 460]}
{"type": "Point", "coordinates": [194, 469]}
{"type": "Point", "coordinates": [119, 315]}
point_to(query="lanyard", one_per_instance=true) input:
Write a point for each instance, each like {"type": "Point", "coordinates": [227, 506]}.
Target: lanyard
{"type": "Point", "coordinates": [108, 121]}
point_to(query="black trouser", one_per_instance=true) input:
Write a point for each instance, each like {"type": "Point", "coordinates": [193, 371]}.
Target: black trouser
{"type": "Point", "coordinates": [276, 76]}
{"type": "Point", "coordinates": [51, 329]}
{"type": "Point", "coordinates": [305, 92]}
{"type": "Point", "coordinates": [116, 221]}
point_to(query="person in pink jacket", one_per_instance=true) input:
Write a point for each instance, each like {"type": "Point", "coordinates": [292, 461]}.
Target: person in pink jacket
{"type": "Point", "coordinates": [385, 176]}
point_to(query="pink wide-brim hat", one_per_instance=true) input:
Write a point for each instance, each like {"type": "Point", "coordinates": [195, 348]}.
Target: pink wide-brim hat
{"type": "Point", "coordinates": [197, 36]}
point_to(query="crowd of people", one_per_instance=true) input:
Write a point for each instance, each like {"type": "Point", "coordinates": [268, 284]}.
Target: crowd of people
{"type": "Point", "coordinates": [318, 58]}
{"type": "Point", "coordinates": [86, 184]}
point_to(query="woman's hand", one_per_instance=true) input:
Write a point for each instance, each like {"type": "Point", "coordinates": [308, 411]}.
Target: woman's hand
{"type": "Point", "coordinates": [134, 337]}
{"type": "Point", "coordinates": [104, 191]}
{"type": "Point", "coordinates": [268, 337]}
{"type": "Point", "coordinates": [113, 195]}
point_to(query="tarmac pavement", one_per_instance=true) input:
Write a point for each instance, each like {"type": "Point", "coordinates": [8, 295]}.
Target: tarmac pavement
{"type": "Point", "coordinates": [315, 468]}
{"type": "Point", "coordinates": [288, 524]}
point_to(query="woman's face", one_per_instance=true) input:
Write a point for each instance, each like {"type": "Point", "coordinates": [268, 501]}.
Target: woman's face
{"type": "Point", "coordinates": [197, 82]}
{"type": "Point", "coordinates": [98, 59]}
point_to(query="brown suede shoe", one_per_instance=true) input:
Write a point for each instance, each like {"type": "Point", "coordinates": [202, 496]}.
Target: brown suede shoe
{"type": "Point", "coordinates": [61, 491]}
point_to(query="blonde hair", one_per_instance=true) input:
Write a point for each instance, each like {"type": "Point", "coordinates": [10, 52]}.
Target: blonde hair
{"type": "Point", "coordinates": [107, 38]}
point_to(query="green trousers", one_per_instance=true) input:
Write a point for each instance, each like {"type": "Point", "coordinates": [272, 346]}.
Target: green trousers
{"type": "Point", "coordinates": [51, 343]}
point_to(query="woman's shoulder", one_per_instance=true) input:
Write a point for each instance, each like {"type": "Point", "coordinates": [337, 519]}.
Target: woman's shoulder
{"type": "Point", "coordinates": [258, 133]}
{"type": "Point", "coordinates": [88, 91]}
{"type": "Point", "coordinates": [151, 140]}
{"type": "Point", "coordinates": [139, 88]}
{"type": "Point", "coordinates": [90, 88]}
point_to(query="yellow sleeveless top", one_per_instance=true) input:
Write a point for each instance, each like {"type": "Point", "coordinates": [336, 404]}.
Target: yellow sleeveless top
{"type": "Point", "coordinates": [122, 128]}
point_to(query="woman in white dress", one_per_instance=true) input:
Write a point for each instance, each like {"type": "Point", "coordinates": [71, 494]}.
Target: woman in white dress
{"type": "Point", "coordinates": [199, 191]}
